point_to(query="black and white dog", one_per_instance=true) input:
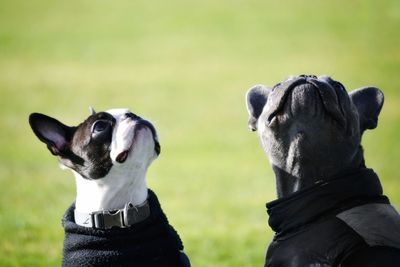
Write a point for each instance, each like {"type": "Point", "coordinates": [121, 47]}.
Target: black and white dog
{"type": "Point", "coordinates": [116, 220]}
{"type": "Point", "coordinates": [330, 209]}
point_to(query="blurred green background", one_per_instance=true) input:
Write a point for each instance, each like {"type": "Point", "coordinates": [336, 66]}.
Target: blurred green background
{"type": "Point", "coordinates": [186, 66]}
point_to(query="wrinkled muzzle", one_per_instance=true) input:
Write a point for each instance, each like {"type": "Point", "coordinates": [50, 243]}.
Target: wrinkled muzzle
{"type": "Point", "coordinates": [332, 95]}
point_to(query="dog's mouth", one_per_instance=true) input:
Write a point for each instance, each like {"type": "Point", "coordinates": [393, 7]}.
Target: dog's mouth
{"type": "Point", "coordinates": [140, 125]}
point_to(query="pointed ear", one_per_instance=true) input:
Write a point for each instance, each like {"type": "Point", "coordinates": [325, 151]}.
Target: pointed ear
{"type": "Point", "coordinates": [51, 132]}
{"type": "Point", "coordinates": [92, 111]}
{"type": "Point", "coordinates": [256, 98]}
{"type": "Point", "coordinates": [369, 102]}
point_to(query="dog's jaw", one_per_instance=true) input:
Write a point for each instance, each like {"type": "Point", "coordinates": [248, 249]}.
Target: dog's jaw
{"type": "Point", "coordinates": [111, 192]}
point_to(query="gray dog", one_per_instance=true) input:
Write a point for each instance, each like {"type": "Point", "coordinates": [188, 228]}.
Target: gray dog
{"type": "Point", "coordinates": [330, 209]}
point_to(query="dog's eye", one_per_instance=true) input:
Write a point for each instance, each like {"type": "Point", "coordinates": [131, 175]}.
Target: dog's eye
{"type": "Point", "coordinates": [100, 126]}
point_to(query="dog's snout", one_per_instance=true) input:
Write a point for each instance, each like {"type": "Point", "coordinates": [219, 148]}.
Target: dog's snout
{"type": "Point", "coordinates": [131, 115]}
{"type": "Point", "coordinates": [306, 76]}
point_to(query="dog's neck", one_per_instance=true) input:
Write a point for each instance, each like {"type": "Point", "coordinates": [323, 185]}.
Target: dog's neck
{"type": "Point", "coordinates": [293, 176]}
{"type": "Point", "coordinates": [111, 192]}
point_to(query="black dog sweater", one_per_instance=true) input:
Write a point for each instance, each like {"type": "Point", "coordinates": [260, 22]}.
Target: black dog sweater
{"type": "Point", "coordinates": [150, 243]}
{"type": "Point", "coordinates": [343, 222]}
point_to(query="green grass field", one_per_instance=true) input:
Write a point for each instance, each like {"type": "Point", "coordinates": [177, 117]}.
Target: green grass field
{"type": "Point", "coordinates": [186, 66]}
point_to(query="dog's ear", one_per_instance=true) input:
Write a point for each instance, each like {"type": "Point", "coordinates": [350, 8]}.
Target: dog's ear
{"type": "Point", "coordinates": [50, 131]}
{"type": "Point", "coordinates": [256, 98]}
{"type": "Point", "coordinates": [92, 111]}
{"type": "Point", "coordinates": [369, 102]}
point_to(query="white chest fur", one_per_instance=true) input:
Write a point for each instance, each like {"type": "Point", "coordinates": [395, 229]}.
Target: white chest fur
{"type": "Point", "coordinates": [111, 192]}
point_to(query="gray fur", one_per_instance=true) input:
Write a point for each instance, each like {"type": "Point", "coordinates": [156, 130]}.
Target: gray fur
{"type": "Point", "coordinates": [311, 128]}
{"type": "Point", "coordinates": [256, 98]}
{"type": "Point", "coordinates": [362, 98]}
{"type": "Point", "coordinates": [376, 223]}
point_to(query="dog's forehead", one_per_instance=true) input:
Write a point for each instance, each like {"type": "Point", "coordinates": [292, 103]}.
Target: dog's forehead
{"type": "Point", "coordinates": [117, 112]}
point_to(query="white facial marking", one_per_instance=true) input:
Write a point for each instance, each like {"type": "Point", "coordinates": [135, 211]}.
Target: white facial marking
{"type": "Point", "coordinates": [124, 136]}
{"type": "Point", "coordinates": [125, 182]}
{"type": "Point", "coordinates": [117, 112]}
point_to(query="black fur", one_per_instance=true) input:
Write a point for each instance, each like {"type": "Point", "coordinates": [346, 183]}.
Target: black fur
{"type": "Point", "coordinates": [151, 243]}
{"type": "Point", "coordinates": [80, 147]}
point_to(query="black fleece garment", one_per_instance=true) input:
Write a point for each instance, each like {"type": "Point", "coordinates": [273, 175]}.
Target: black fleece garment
{"type": "Point", "coordinates": [342, 222]}
{"type": "Point", "coordinates": [150, 243]}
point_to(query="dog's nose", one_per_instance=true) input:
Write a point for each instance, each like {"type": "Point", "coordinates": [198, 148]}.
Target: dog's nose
{"type": "Point", "coordinates": [131, 115]}
{"type": "Point", "coordinates": [306, 76]}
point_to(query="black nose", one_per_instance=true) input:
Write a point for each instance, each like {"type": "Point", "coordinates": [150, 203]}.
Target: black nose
{"type": "Point", "coordinates": [308, 76]}
{"type": "Point", "coordinates": [131, 115]}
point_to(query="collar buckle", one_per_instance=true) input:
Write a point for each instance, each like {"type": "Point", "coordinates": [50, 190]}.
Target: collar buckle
{"type": "Point", "coordinates": [108, 219]}
{"type": "Point", "coordinates": [121, 218]}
